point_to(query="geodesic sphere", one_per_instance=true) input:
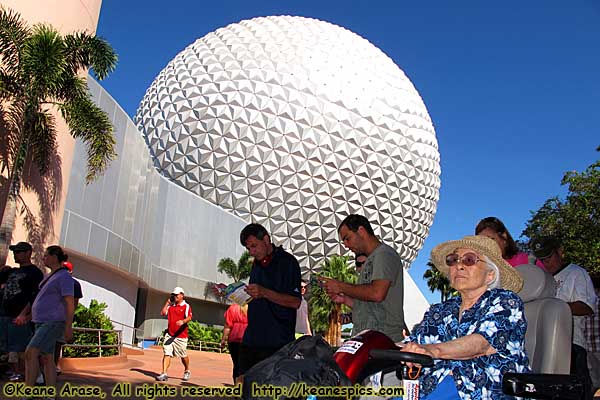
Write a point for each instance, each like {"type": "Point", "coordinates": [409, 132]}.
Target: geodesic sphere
{"type": "Point", "coordinates": [295, 123]}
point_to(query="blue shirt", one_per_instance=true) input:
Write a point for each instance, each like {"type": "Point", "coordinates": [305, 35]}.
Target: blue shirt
{"type": "Point", "coordinates": [271, 325]}
{"type": "Point", "coordinates": [499, 317]}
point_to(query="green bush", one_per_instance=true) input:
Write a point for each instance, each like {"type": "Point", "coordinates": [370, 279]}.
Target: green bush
{"type": "Point", "coordinates": [199, 333]}
{"type": "Point", "coordinates": [92, 317]}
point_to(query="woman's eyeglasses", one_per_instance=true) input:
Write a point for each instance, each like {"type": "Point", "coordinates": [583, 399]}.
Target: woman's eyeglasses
{"type": "Point", "coordinates": [467, 259]}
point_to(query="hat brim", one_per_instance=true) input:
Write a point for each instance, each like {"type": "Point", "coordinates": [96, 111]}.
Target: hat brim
{"type": "Point", "coordinates": [18, 248]}
{"type": "Point", "coordinates": [510, 279]}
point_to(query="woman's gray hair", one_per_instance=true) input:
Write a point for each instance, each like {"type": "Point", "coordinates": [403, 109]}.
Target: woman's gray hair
{"type": "Point", "coordinates": [495, 283]}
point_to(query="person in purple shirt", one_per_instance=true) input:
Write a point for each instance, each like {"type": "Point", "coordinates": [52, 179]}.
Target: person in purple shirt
{"type": "Point", "coordinates": [77, 294]}
{"type": "Point", "coordinates": [52, 314]}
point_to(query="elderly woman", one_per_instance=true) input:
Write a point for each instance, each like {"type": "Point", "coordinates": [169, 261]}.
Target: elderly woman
{"type": "Point", "coordinates": [477, 337]}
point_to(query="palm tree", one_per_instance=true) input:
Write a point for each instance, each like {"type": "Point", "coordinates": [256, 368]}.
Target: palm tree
{"type": "Point", "coordinates": [41, 69]}
{"type": "Point", "coordinates": [324, 313]}
{"type": "Point", "coordinates": [237, 272]}
{"type": "Point", "coordinates": [438, 281]}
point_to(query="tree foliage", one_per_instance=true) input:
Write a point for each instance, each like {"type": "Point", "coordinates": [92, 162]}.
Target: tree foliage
{"type": "Point", "coordinates": [92, 317]}
{"type": "Point", "coordinates": [42, 72]}
{"type": "Point", "coordinates": [575, 220]}
{"type": "Point", "coordinates": [236, 271]}
{"type": "Point", "coordinates": [438, 281]}
{"type": "Point", "coordinates": [324, 313]}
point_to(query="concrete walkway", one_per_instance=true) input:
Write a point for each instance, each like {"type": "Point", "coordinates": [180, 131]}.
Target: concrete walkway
{"type": "Point", "coordinates": [140, 371]}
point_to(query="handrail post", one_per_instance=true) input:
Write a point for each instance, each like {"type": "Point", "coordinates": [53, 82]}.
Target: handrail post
{"type": "Point", "coordinates": [99, 344]}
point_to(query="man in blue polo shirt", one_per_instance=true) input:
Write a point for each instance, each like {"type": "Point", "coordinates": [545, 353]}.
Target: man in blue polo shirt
{"type": "Point", "coordinates": [275, 290]}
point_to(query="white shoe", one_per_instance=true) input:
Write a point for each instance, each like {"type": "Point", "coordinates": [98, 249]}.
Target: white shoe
{"type": "Point", "coordinates": [162, 377]}
{"type": "Point", "coordinates": [40, 379]}
{"type": "Point", "coordinates": [186, 376]}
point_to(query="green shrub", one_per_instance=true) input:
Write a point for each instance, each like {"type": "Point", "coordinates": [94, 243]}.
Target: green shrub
{"type": "Point", "coordinates": [199, 333]}
{"type": "Point", "coordinates": [92, 317]}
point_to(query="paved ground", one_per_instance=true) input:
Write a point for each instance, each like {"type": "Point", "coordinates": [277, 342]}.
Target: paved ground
{"type": "Point", "coordinates": [208, 369]}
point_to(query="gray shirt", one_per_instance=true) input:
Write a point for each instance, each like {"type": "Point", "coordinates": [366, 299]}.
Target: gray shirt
{"type": "Point", "coordinates": [388, 316]}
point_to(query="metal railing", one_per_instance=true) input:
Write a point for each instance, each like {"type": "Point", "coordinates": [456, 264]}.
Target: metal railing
{"type": "Point", "coordinates": [213, 347]}
{"type": "Point", "coordinates": [137, 333]}
{"type": "Point", "coordinates": [99, 345]}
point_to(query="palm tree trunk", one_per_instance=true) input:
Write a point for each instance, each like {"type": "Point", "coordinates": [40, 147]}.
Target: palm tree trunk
{"type": "Point", "coordinates": [9, 215]}
{"type": "Point", "coordinates": [334, 330]}
{"type": "Point", "coordinates": [8, 219]}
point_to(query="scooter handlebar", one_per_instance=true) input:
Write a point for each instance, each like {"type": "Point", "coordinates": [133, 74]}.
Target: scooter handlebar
{"type": "Point", "coordinates": [402, 356]}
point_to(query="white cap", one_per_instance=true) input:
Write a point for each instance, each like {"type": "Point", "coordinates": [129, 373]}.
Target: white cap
{"type": "Point", "coordinates": [177, 290]}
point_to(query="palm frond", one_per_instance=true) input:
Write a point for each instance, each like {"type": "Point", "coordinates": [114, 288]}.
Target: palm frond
{"type": "Point", "coordinates": [43, 61]}
{"type": "Point", "coordinates": [11, 116]}
{"type": "Point", "coordinates": [72, 88]}
{"type": "Point", "coordinates": [42, 138]}
{"type": "Point", "coordinates": [10, 85]}
{"type": "Point", "coordinates": [90, 123]}
{"type": "Point", "coordinates": [13, 34]}
{"type": "Point", "coordinates": [86, 51]}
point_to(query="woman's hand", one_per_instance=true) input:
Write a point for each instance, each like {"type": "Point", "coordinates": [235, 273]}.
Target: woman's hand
{"type": "Point", "coordinates": [462, 348]}
{"type": "Point", "coordinates": [412, 347]}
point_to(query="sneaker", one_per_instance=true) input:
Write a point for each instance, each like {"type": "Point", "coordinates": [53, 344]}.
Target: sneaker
{"type": "Point", "coordinates": [186, 376]}
{"type": "Point", "coordinates": [40, 379]}
{"type": "Point", "coordinates": [16, 378]}
{"type": "Point", "coordinates": [162, 377]}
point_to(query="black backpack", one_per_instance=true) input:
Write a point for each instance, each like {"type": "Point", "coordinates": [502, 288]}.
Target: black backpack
{"type": "Point", "coordinates": [308, 359]}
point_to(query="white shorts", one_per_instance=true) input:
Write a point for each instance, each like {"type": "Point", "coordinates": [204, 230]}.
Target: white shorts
{"type": "Point", "coordinates": [175, 347]}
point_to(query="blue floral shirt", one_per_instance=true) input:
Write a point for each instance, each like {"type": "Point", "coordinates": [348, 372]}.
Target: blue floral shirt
{"type": "Point", "coordinates": [499, 317]}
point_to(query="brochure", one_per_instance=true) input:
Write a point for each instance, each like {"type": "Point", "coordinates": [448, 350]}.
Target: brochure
{"type": "Point", "coordinates": [236, 293]}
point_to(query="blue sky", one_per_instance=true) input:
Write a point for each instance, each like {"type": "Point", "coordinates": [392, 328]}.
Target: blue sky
{"type": "Point", "coordinates": [512, 87]}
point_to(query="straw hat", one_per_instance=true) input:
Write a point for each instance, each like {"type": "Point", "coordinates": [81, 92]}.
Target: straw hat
{"type": "Point", "coordinates": [509, 277]}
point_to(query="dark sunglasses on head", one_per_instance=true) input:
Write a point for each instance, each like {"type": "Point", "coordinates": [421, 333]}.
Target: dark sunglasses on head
{"type": "Point", "coordinates": [467, 259]}
{"type": "Point", "coordinates": [547, 257]}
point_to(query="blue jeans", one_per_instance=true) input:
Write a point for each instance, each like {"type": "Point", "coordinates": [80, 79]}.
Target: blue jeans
{"type": "Point", "coordinates": [46, 335]}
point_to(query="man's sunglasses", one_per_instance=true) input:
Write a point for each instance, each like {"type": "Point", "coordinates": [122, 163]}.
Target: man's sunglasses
{"type": "Point", "coordinates": [468, 259]}
{"type": "Point", "coordinates": [359, 263]}
{"type": "Point", "coordinates": [19, 251]}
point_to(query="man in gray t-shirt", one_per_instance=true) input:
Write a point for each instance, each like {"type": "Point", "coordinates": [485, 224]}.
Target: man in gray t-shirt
{"type": "Point", "coordinates": [377, 299]}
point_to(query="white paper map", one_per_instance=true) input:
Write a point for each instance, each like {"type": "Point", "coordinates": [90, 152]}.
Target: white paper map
{"type": "Point", "coordinates": [236, 293]}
